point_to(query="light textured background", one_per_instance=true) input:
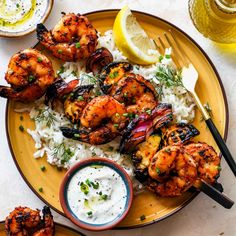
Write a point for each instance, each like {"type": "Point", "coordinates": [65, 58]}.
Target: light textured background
{"type": "Point", "coordinates": [202, 216]}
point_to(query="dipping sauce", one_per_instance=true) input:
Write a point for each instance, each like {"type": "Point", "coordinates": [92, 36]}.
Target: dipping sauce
{"type": "Point", "coordinates": [20, 15]}
{"type": "Point", "coordinates": [97, 194]}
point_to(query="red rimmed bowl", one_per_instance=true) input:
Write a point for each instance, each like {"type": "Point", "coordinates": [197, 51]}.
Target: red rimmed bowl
{"type": "Point", "coordinates": [76, 187]}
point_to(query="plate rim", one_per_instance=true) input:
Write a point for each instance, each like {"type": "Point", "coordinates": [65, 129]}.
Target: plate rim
{"type": "Point", "coordinates": [61, 225]}
{"type": "Point", "coordinates": [225, 130]}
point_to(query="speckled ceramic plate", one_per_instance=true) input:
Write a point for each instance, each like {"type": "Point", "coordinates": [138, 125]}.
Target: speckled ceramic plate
{"type": "Point", "coordinates": [9, 34]}
{"type": "Point", "coordinates": [60, 230]}
{"type": "Point", "coordinates": [209, 88]}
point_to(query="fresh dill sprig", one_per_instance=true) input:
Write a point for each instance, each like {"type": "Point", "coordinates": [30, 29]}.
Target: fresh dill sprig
{"type": "Point", "coordinates": [168, 77]}
{"type": "Point", "coordinates": [44, 115]}
{"type": "Point", "coordinates": [63, 153]}
{"type": "Point", "coordinates": [88, 79]}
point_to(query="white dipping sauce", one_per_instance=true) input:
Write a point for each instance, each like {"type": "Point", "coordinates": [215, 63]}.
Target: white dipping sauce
{"type": "Point", "coordinates": [97, 194]}
{"type": "Point", "coordinates": [20, 15]}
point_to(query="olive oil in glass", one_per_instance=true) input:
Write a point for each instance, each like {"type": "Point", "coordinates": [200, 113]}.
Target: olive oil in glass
{"type": "Point", "coordinates": [215, 19]}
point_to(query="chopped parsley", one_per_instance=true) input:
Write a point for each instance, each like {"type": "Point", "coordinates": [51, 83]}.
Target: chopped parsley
{"type": "Point", "coordinates": [80, 98]}
{"type": "Point", "coordinates": [59, 51]}
{"type": "Point", "coordinates": [17, 5]}
{"type": "Point", "coordinates": [104, 197]}
{"type": "Point", "coordinates": [167, 56]}
{"type": "Point", "coordinates": [39, 59]}
{"type": "Point", "coordinates": [142, 217]}
{"type": "Point", "coordinates": [43, 168]}
{"type": "Point", "coordinates": [31, 78]}
{"type": "Point", "coordinates": [90, 213]}
{"type": "Point", "coordinates": [77, 45]}
{"type": "Point", "coordinates": [61, 70]}
{"type": "Point", "coordinates": [21, 128]}
{"type": "Point", "coordinates": [149, 111]}
{"type": "Point", "coordinates": [40, 189]}
{"type": "Point", "coordinates": [219, 168]}
{"type": "Point", "coordinates": [113, 75]}
{"type": "Point", "coordinates": [84, 188]}
{"type": "Point", "coordinates": [160, 58]}
{"type": "Point", "coordinates": [116, 125]}
{"type": "Point", "coordinates": [158, 170]}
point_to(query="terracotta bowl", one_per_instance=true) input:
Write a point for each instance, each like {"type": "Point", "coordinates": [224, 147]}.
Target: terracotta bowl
{"type": "Point", "coordinates": [64, 198]}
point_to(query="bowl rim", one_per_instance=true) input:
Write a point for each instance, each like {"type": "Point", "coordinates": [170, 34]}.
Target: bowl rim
{"type": "Point", "coordinates": [87, 162]}
{"type": "Point", "coordinates": [44, 17]}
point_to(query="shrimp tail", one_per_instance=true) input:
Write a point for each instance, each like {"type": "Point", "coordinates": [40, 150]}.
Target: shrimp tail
{"type": "Point", "coordinates": [75, 134]}
{"type": "Point", "coordinates": [28, 94]}
{"type": "Point", "coordinates": [41, 30]}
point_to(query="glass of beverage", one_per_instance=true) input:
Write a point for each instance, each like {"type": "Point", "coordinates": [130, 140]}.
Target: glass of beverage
{"type": "Point", "coordinates": [215, 19]}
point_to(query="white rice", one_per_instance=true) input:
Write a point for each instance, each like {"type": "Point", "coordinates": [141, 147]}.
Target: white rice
{"type": "Point", "coordinates": [48, 138]}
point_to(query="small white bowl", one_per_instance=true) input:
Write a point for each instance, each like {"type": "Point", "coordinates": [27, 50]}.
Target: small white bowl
{"type": "Point", "coordinates": [44, 16]}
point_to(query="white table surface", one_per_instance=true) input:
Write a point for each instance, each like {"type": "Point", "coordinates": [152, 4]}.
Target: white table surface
{"type": "Point", "coordinates": [202, 216]}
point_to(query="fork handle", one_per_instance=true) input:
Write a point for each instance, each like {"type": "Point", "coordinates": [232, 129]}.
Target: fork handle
{"type": "Point", "coordinates": [222, 145]}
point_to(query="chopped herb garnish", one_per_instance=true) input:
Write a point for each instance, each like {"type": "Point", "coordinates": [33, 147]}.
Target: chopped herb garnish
{"type": "Point", "coordinates": [160, 58]}
{"type": "Point", "coordinates": [104, 197]}
{"type": "Point", "coordinates": [59, 51]}
{"type": "Point", "coordinates": [45, 116]}
{"type": "Point", "coordinates": [80, 98]}
{"type": "Point", "coordinates": [142, 217]}
{"type": "Point", "coordinates": [61, 70]}
{"type": "Point", "coordinates": [125, 95]}
{"type": "Point", "coordinates": [62, 153]}
{"type": "Point", "coordinates": [88, 182]}
{"type": "Point", "coordinates": [84, 188]}
{"type": "Point", "coordinates": [40, 189]}
{"type": "Point", "coordinates": [90, 213]}
{"type": "Point", "coordinates": [113, 75]}
{"type": "Point", "coordinates": [116, 125]}
{"type": "Point", "coordinates": [17, 5]}
{"type": "Point", "coordinates": [74, 73]}
{"type": "Point", "coordinates": [40, 59]}
{"type": "Point", "coordinates": [219, 168]}
{"type": "Point", "coordinates": [21, 118]}
{"type": "Point", "coordinates": [158, 170]}
{"type": "Point", "coordinates": [110, 149]}
{"type": "Point", "coordinates": [43, 168]}
{"type": "Point", "coordinates": [126, 114]}
{"type": "Point", "coordinates": [136, 116]}
{"type": "Point", "coordinates": [21, 128]}
{"type": "Point", "coordinates": [117, 115]}
{"type": "Point", "coordinates": [95, 185]}
{"type": "Point", "coordinates": [77, 45]}
{"type": "Point", "coordinates": [100, 193]}
{"type": "Point", "coordinates": [149, 111]}
{"type": "Point", "coordinates": [167, 56]}
{"type": "Point", "coordinates": [31, 78]}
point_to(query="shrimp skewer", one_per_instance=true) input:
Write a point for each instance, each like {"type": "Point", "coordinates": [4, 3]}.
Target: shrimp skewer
{"type": "Point", "coordinates": [103, 119]}
{"type": "Point", "coordinates": [73, 38]}
{"type": "Point", "coordinates": [29, 73]}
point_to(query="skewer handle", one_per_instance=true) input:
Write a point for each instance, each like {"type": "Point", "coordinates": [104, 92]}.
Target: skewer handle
{"type": "Point", "coordinates": [216, 195]}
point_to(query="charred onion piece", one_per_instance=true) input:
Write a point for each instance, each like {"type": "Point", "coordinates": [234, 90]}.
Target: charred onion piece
{"type": "Point", "coordinates": [178, 134]}
{"type": "Point", "coordinates": [140, 128]}
{"type": "Point", "coordinates": [112, 73]}
{"type": "Point", "coordinates": [59, 89]}
{"type": "Point", "coordinates": [97, 60]}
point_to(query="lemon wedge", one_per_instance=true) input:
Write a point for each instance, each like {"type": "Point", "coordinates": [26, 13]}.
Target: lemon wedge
{"type": "Point", "coordinates": [132, 40]}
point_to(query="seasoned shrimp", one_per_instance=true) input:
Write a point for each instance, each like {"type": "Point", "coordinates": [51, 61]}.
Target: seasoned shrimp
{"type": "Point", "coordinates": [103, 118]}
{"type": "Point", "coordinates": [73, 38]}
{"type": "Point", "coordinates": [174, 170]}
{"type": "Point", "coordinates": [76, 102]}
{"type": "Point", "coordinates": [207, 160]}
{"type": "Point", "coordinates": [29, 73]}
{"type": "Point", "coordinates": [25, 221]}
{"type": "Point", "coordinates": [136, 93]}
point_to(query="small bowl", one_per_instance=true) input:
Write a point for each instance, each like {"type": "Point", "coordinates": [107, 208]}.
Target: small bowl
{"type": "Point", "coordinates": [64, 196]}
{"type": "Point", "coordinates": [44, 16]}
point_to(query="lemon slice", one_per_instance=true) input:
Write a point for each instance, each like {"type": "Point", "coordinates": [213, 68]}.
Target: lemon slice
{"type": "Point", "coordinates": [132, 40]}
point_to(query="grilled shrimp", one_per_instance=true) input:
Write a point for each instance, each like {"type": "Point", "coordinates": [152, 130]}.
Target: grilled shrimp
{"type": "Point", "coordinates": [25, 221]}
{"type": "Point", "coordinates": [29, 73]}
{"type": "Point", "coordinates": [73, 38]}
{"type": "Point", "coordinates": [103, 119]}
{"type": "Point", "coordinates": [173, 171]}
{"type": "Point", "coordinates": [136, 93]}
{"type": "Point", "coordinates": [76, 102]}
{"type": "Point", "coordinates": [208, 162]}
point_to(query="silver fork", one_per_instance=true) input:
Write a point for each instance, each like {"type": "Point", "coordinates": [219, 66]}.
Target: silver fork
{"type": "Point", "coordinates": [189, 80]}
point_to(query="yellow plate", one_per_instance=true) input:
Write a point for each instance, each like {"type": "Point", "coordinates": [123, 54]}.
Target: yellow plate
{"type": "Point", "coordinates": [154, 208]}
{"type": "Point", "coordinates": [60, 230]}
